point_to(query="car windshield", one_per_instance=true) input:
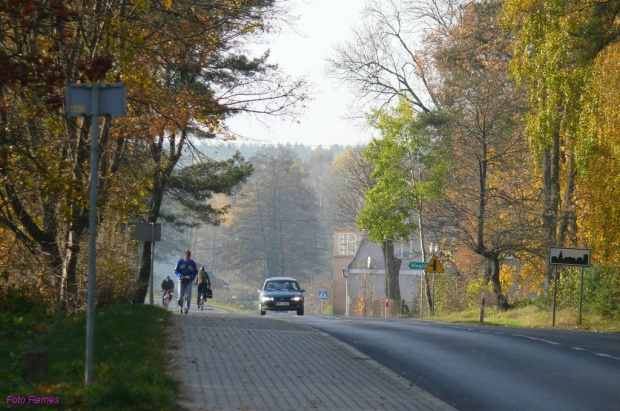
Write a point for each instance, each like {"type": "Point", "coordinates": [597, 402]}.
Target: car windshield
{"type": "Point", "coordinates": [282, 285]}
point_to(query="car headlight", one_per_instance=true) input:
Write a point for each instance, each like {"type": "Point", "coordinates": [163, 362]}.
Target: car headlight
{"type": "Point", "coordinates": [297, 298]}
{"type": "Point", "coordinates": [266, 299]}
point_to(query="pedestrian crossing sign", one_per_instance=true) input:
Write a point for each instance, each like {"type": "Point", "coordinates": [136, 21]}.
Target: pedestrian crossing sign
{"type": "Point", "coordinates": [322, 294]}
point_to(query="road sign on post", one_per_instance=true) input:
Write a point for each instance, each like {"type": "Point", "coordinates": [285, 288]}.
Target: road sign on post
{"type": "Point", "coordinates": [94, 100]}
{"type": "Point", "coordinates": [418, 265]}
{"type": "Point", "coordinates": [434, 266]}
{"type": "Point", "coordinates": [146, 231]}
{"type": "Point", "coordinates": [322, 294]}
{"type": "Point", "coordinates": [579, 257]}
{"type": "Point", "coordinates": [110, 100]}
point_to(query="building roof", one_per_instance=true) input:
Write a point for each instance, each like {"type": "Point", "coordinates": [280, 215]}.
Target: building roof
{"type": "Point", "coordinates": [368, 258]}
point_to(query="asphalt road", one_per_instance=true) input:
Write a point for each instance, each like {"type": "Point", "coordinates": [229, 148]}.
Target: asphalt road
{"type": "Point", "coordinates": [489, 368]}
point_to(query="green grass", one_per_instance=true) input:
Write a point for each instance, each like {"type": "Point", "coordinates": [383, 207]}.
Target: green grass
{"type": "Point", "coordinates": [533, 317]}
{"type": "Point", "coordinates": [129, 358]}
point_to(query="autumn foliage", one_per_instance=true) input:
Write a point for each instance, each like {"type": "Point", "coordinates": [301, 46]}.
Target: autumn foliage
{"type": "Point", "coordinates": [185, 74]}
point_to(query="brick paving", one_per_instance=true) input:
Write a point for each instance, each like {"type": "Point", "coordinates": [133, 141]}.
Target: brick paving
{"type": "Point", "coordinates": [238, 362]}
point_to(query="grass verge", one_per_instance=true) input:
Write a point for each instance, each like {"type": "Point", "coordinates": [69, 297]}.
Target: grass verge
{"type": "Point", "coordinates": [129, 359]}
{"type": "Point", "coordinates": [533, 317]}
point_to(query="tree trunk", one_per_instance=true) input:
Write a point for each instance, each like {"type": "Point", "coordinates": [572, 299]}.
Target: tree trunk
{"type": "Point", "coordinates": [142, 285]}
{"type": "Point", "coordinates": [69, 289]}
{"type": "Point", "coordinates": [567, 220]}
{"type": "Point", "coordinates": [54, 258]}
{"type": "Point", "coordinates": [392, 271]}
{"type": "Point", "coordinates": [551, 199]}
{"type": "Point", "coordinates": [500, 299]}
{"type": "Point", "coordinates": [160, 178]}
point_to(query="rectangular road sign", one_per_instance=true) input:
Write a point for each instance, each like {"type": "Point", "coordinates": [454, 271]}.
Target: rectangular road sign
{"type": "Point", "coordinates": [112, 99]}
{"type": "Point", "coordinates": [322, 294]}
{"type": "Point", "coordinates": [143, 231]}
{"type": "Point", "coordinates": [418, 265]}
{"type": "Point", "coordinates": [579, 257]}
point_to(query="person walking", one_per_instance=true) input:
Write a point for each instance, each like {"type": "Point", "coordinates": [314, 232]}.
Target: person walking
{"type": "Point", "coordinates": [185, 271]}
{"type": "Point", "coordinates": [203, 282]}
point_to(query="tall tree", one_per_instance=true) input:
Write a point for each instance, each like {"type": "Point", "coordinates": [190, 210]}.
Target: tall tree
{"type": "Point", "coordinates": [556, 45]}
{"type": "Point", "coordinates": [274, 229]}
{"type": "Point", "coordinates": [489, 198]}
{"type": "Point", "coordinates": [409, 172]}
{"type": "Point", "coordinates": [349, 178]}
{"type": "Point", "coordinates": [599, 178]}
{"type": "Point", "coordinates": [201, 81]}
{"type": "Point", "coordinates": [185, 75]}
{"type": "Point", "coordinates": [383, 61]}
{"type": "Point", "coordinates": [316, 165]}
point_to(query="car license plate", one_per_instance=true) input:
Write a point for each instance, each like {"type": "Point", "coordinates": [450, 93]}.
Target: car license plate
{"type": "Point", "coordinates": [282, 303]}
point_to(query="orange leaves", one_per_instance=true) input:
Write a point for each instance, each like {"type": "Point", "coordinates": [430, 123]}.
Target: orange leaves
{"type": "Point", "coordinates": [94, 70]}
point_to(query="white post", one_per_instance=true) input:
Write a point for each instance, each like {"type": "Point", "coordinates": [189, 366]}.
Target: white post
{"type": "Point", "coordinates": [421, 293]}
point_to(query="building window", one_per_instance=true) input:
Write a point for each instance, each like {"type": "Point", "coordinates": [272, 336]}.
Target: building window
{"type": "Point", "coordinates": [347, 243]}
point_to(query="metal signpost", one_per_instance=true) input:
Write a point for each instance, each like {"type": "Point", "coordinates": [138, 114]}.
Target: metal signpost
{"type": "Point", "coordinates": [322, 296]}
{"type": "Point", "coordinates": [93, 100]}
{"type": "Point", "coordinates": [578, 257]}
{"type": "Point", "coordinates": [419, 265]}
{"type": "Point", "coordinates": [434, 266]}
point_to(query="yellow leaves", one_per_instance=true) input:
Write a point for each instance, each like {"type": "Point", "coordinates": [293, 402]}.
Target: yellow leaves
{"type": "Point", "coordinates": [141, 5]}
{"type": "Point", "coordinates": [605, 89]}
{"type": "Point", "coordinates": [598, 184]}
{"type": "Point", "coordinates": [527, 280]}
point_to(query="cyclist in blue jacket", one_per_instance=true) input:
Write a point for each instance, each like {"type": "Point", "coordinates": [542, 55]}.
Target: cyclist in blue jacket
{"type": "Point", "coordinates": [185, 271]}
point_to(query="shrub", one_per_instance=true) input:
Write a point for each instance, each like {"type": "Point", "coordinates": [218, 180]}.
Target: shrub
{"type": "Point", "coordinates": [22, 299]}
{"type": "Point", "coordinates": [602, 291]}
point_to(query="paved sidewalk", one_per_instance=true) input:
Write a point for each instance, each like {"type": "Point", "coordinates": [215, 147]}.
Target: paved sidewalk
{"type": "Point", "coordinates": [237, 362]}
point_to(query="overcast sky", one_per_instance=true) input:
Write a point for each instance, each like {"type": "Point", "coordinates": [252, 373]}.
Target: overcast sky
{"type": "Point", "coordinates": [322, 24]}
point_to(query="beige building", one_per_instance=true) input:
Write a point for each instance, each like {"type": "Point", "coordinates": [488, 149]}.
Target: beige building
{"type": "Point", "coordinates": [346, 243]}
{"type": "Point", "coordinates": [359, 274]}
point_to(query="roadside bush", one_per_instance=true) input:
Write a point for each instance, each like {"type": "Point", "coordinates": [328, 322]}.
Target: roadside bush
{"type": "Point", "coordinates": [475, 291]}
{"type": "Point", "coordinates": [601, 291]}
{"type": "Point", "coordinates": [23, 299]}
{"type": "Point", "coordinates": [450, 294]}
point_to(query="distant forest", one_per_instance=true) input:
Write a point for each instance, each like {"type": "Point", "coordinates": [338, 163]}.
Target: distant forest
{"type": "Point", "coordinates": [223, 151]}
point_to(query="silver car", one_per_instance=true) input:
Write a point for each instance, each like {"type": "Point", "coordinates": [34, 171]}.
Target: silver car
{"type": "Point", "coordinates": [281, 294]}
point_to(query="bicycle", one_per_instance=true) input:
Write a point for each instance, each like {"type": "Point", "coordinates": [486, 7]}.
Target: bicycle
{"type": "Point", "coordinates": [166, 297]}
{"type": "Point", "coordinates": [164, 300]}
{"type": "Point", "coordinates": [201, 301]}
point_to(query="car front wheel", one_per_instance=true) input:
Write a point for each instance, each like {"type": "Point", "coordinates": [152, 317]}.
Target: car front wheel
{"type": "Point", "coordinates": [260, 308]}
{"type": "Point", "coordinates": [300, 311]}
